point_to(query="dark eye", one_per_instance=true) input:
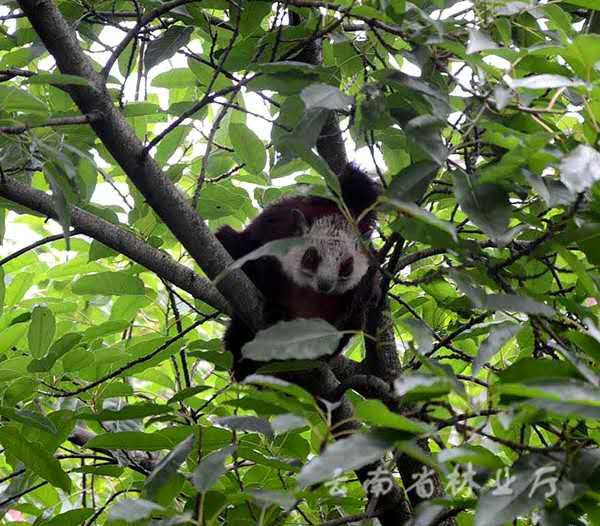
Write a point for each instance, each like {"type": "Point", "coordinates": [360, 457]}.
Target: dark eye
{"type": "Point", "coordinates": [346, 268]}
{"type": "Point", "coordinates": [311, 259]}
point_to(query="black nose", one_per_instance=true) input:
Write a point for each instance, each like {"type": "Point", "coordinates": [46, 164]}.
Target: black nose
{"type": "Point", "coordinates": [324, 286]}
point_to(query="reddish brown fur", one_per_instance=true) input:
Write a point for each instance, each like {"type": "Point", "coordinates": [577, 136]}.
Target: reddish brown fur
{"type": "Point", "coordinates": [285, 300]}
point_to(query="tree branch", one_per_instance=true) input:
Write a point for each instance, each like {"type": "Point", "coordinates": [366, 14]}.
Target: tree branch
{"type": "Point", "coordinates": [60, 121]}
{"type": "Point", "coordinates": [120, 240]}
{"type": "Point", "coordinates": [118, 137]}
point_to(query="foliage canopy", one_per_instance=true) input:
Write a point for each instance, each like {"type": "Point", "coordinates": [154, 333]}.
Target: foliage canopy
{"type": "Point", "coordinates": [141, 127]}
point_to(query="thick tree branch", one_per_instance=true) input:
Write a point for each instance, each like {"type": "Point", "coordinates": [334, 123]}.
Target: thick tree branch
{"type": "Point", "coordinates": [120, 240]}
{"type": "Point", "coordinates": [120, 140]}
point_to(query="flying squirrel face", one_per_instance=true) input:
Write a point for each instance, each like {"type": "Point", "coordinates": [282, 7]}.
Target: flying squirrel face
{"type": "Point", "coordinates": [331, 258]}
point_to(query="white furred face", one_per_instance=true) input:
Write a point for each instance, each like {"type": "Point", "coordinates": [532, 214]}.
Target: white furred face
{"type": "Point", "coordinates": [330, 261]}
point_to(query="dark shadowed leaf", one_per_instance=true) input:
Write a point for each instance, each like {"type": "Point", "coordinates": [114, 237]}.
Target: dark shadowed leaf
{"type": "Point", "coordinates": [164, 47]}
{"type": "Point", "coordinates": [411, 183]}
{"type": "Point", "coordinates": [245, 423]}
{"type": "Point", "coordinates": [210, 468]}
{"type": "Point", "coordinates": [168, 466]}
{"type": "Point", "coordinates": [486, 205]}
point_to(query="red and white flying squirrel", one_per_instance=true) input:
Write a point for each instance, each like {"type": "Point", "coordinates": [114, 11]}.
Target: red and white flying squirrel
{"type": "Point", "coordinates": [326, 276]}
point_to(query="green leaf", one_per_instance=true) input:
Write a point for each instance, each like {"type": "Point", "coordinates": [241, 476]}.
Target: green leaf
{"type": "Point", "coordinates": [419, 224]}
{"type": "Point", "coordinates": [175, 78]}
{"type": "Point", "coordinates": [29, 418]}
{"type": "Point", "coordinates": [472, 454]}
{"type": "Point", "coordinates": [210, 469]}
{"type": "Point", "coordinates": [343, 455]}
{"type": "Point", "coordinates": [486, 204]}
{"type": "Point", "coordinates": [184, 394]}
{"type": "Point", "coordinates": [57, 78]}
{"type": "Point", "coordinates": [292, 340]}
{"type": "Point", "coordinates": [324, 96]}
{"type": "Point", "coordinates": [377, 414]}
{"type": "Point", "coordinates": [109, 284]}
{"type": "Point", "coordinates": [130, 510]}
{"type": "Point", "coordinates": [411, 183]}
{"type": "Point", "coordinates": [164, 47]}
{"type": "Point", "coordinates": [41, 331]}
{"type": "Point", "coordinates": [248, 147]}
{"type": "Point", "coordinates": [167, 468]}
{"type": "Point", "coordinates": [131, 440]}
{"type": "Point", "coordinates": [15, 99]}
{"type": "Point", "coordinates": [498, 337]}
{"type": "Point", "coordinates": [35, 458]}
{"type": "Point", "coordinates": [70, 518]}
{"type": "Point", "coordinates": [11, 336]}
{"type": "Point", "coordinates": [58, 349]}
{"type": "Point", "coordinates": [251, 424]}
{"type": "Point", "coordinates": [129, 412]}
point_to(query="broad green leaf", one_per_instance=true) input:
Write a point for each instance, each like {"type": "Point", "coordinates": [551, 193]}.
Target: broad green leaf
{"type": "Point", "coordinates": [175, 78]}
{"type": "Point", "coordinates": [57, 78]}
{"type": "Point", "coordinates": [29, 418]}
{"type": "Point", "coordinates": [343, 455]}
{"type": "Point", "coordinates": [248, 147]}
{"type": "Point", "coordinates": [477, 455]}
{"type": "Point", "coordinates": [210, 469]}
{"type": "Point", "coordinates": [58, 349]}
{"type": "Point", "coordinates": [486, 204]}
{"type": "Point", "coordinates": [326, 97]}
{"type": "Point", "coordinates": [130, 412]}
{"type": "Point", "coordinates": [419, 224]}
{"type": "Point", "coordinates": [109, 284]}
{"type": "Point", "coordinates": [17, 100]}
{"type": "Point", "coordinates": [130, 510]}
{"type": "Point", "coordinates": [245, 423]}
{"type": "Point", "coordinates": [411, 183]}
{"type": "Point", "coordinates": [131, 440]}
{"type": "Point", "coordinates": [164, 47]}
{"type": "Point", "coordinates": [35, 458]}
{"type": "Point", "coordinates": [11, 336]}
{"type": "Point", "coordinates": [187, 393]}
{"type": "Point", "coordinates": [41, 331]}
{"type": "Point", "coordinates": [17, 288]}
{"type": "Point", "coordinates": [168, 466]}
{"type": "Point", "coordinates": [377, 414]}
{"type": "Point", "coordinates": [70, 518]}
{"type": "Point", "coordinates": [498, 337]}
{"type": "Point", "coordinates": [292, 340]}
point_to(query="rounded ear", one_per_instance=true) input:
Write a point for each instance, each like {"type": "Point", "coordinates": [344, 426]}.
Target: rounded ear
{"type": "Point", "coordinates": [300, 222]}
